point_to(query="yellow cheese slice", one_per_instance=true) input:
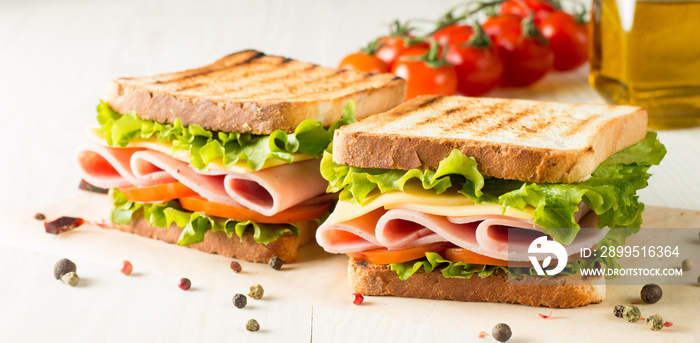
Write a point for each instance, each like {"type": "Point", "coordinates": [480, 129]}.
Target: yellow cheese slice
{"type": "Point", "coordinates": [414, 197]}
{"type": "Point", "coordinates": [183, 155]}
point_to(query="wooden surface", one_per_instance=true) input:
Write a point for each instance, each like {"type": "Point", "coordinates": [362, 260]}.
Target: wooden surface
{"type": "Point", "coordinates": [55, 59]}
{"type": "Point", "coordinates": [306, 301]}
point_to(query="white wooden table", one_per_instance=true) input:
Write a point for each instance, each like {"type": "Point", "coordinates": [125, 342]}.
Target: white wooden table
{"type": "Point", "coordinates": [55, 58]}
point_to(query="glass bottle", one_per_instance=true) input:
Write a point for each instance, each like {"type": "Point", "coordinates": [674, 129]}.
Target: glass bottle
{"type": "Point", "coordinates": [647, 53]}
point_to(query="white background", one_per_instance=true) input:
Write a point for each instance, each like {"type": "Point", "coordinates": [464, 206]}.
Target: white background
{"type": "Point", "coordinates": [56, 56]}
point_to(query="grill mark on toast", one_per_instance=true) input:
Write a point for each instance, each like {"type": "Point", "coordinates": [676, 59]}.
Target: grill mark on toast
{"type": "Point", "coordinates": [491, 111]}
{"type": "Point", "coordinates": [465, 122]}
{"type": "Point", "coordinates": [579, 125]}
{"type": "Point", "coordinates": [285, 61]}
{"type": "Point", "coordinates": [184, 88]}
{"type": "Point", "coordinates": [210, 71]}
{"type": "Point", "coordinates": [429, 102]}
{"type": "Point", "coordinates": [437, 116]}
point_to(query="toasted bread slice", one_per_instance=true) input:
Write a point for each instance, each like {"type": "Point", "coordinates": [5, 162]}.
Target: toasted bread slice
{"type": "Point", "coordinates": [245, 248]}
{"type": "Point", "coordinates": [510, 139]}
{"type": "Point", "coordinates": [557, 292]}
{"type": "Point", "coordinates": [251, 92]}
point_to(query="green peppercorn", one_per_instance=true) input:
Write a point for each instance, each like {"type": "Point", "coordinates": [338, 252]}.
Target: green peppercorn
{"type": "Point", "coordinates": [62, 267]}
{"type": "Point", "coordinates": [70, 278]}
{"type": "Point", "coordinates": [632, 313]}
{"type": "Point", "coordinates": [252, 325]}
{"type": "Point", "coordinates": [239, 300]}
{"type": "Point", "coordinates": [687, 265]}
{"type": "Point", "coordinates": [651, 293]}
{"type": "Point", "coordinates": [501, 332]}
{"type": "Point", "coordinates": [276, 263]}
{"type": "Point", "coordinates": [256, 292]}
{"type": "Point", "coordinates": [617, 311]}
{"type": "Point", "coordinates": [655, 322]}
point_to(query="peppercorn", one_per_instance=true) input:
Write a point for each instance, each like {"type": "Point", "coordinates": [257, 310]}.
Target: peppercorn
{"type": "Point", "coordinates": [655, 322]}
{"type": "Point", "coordinates": [236, 267]}
{"type": "Point", "coordinates": [239, 300]}
{"type": "Point", "coordinates": [687, 265]}
{"type": "Point", "coordinates": [184, 284]}
{"type": "Point", "coordinates": [651, 293]}
{"type": "Point", "coordinates": [127, 267]}
{"type": "Point", "coordinates": [256, 292]}
{"type": "Point", "coordinates": [276, 263]}
{"type": "Point", "coordinates": [699, 280]}
{"type": "Point", "coordinates": [39, 216]}
{"type": "Point", "coordinates": [62, 267]}
{"type": "Point", "coordinates": [357, 298]}
{"type": "Point", "coordinates": [501, 332]}
{"type": "Point", "coordinates": [617, 311]}
{"type": "Point", "coordinates": [632, 313]}
{"type": "Point", "coordinates": [252, 325]}
{"type": "Point", "coordinates": [70, 278]}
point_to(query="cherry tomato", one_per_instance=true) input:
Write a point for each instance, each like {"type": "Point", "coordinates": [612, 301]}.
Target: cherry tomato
{"type": "Point", "coordinates": [526, 59]}
{"type": "Point", "coordinates": [500, 25]}
{"type": "Point", "coordinates": [385, 256]}
{"type": "Point", "coordinates": [567, 38]}
{"type": "Point", "coordinates": [479, 65]}
{"type": "Point", "coordinates": [158, 193]}
{"type": "Point", "coordinates": [364, 62]}
{"type": "Point", "coordinates": [295, 214]}
{"type": "Point", "coordinates": [453, 34]}
{"type": "Point", "coordinates": [392, 47]}
{"type": "Point", "coordinates": [541, 8]}
{"type": "Point", "coordinates": [422, 78]}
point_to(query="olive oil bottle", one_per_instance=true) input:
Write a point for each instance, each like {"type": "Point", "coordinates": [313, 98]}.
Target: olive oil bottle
{"type": "Point", "coordinates": [647, 53]}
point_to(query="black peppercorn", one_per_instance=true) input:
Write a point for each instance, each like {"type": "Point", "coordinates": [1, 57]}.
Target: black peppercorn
{"type": "Point", "coordinates": [239, 300]}
{"type": "Point", "coordinates": [63, 266]}
{"type": "Point", "coordinates": [617, 311]}
{"type": "Point", "coordinates": [651, 293]}
{"type": "Point", "coordinates": [501, 332]}
{"type": "Point", "coordinates": [276, 263]}
{"type": "Point", "coordinates": [39, 216]}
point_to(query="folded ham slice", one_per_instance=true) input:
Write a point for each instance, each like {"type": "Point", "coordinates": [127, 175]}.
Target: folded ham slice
{"type": "Point", "coordinates": [272, 190]}
{"type": "Point", "coordinates": [488, 235]}
{"type": "Point", "coordinates": [268, 191]}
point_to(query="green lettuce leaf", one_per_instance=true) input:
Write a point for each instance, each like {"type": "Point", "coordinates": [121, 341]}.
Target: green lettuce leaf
{"type": "Point", "coordinates": [451, 269]}
{"type": "Point", "coordinates": [610, 191]}
{"type": "Point", "coordinates": [194, 224]}
{"type": "Point", "coordinates": [309, 138]}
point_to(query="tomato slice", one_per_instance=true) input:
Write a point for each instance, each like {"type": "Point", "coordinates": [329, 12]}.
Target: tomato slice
{"type": "Point", "coordinates": [295, 214]}
{"type": "Point", "coordinates": [385, 256]}
{"type": "Point", "coordinates": [158, 193]}
{"type": "Point", "coordinates": [468, 256]}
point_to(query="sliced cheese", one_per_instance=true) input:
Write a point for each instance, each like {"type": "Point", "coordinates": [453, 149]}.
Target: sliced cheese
{"type": "Point", "coordinates": [185, 156]}
{"type": "Point", "coordinates": [414, 197]}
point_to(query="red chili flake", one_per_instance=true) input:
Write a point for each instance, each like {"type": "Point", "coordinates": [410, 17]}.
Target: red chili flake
{"type": "Point", "coordinates": [634, 303]}
{"type": "Point", "coordinates": [127, 268]}
{"type": "Point", "coordinates": [357, 298]}
{"type": "Point", "coordinates": [63, 224]}
{"type": "Point", "coordinates": [545, 315]}
{"type": "Point", "coordinates": [642, 318]}
{"type": "Point", "coordinates": [84, 185]}
{"type": "Point", "coordinates": [668, 324]}
{"type": "Point", "coordinates": [482, 334]}
{"type": "Point", "coordinates": [184, 284]}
